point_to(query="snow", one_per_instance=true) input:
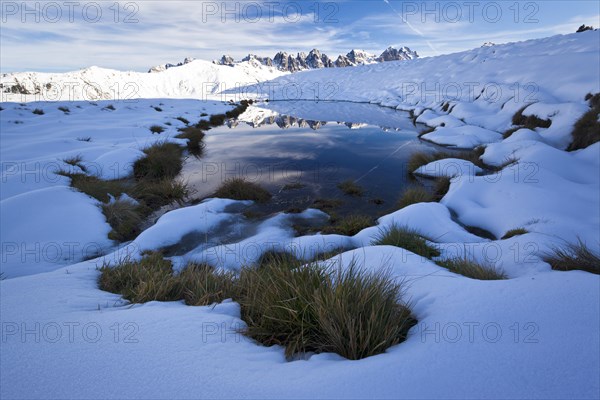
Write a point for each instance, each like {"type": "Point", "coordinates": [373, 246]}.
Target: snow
{"type": "Point", "coordinates": [534, 335]}
{"type": "Point", "coordinates": [449, 167]}
{"type": "Point", "coordinates": [563, 117]}
{"type": "Point", "coordinates": [43, 228]}
{"type": "Point", "coordinates": [534, 189]}
{"type": "Point", "coordinates": [464, 137]}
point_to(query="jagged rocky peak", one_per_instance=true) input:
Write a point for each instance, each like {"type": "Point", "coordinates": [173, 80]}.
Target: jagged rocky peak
{"type": "Point", "coordinates": [255, 60]}
{"type": "Point", "coordinates": [359, 57]}
{"type": "Point", "coordinates": [164, 67]}
{"type": "Point", "coordinates": [225, 60]}
{"type": "Point", "coordinates": [392, 54]}
{"type": "Point", "coordinates": [343, 61]}
{"type": "Point", "coordinates": [315, 59]}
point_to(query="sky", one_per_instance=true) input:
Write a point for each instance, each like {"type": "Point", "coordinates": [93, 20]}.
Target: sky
{"type": "Point", "coordinates": [59, 36]}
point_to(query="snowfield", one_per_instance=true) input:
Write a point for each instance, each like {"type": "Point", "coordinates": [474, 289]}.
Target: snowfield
{"type": "Point", "coordinates": [533, 335]}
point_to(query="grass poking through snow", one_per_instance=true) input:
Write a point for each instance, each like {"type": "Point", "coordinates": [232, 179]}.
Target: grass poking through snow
{"type": "Point", "coordinates": [514, 232]}
{"type": "Point", "coordinates": [125, 217]}
{"type": "Point", "coordinates": [406, 238]}
{"type": "Point", "coordinates": [92, 186]}
{"type": "Point", "coordinates": [318, 308]}
{"type": "Point", "coordinates": [149, 279]}
{"type": "Point", "coordinates": [587, 129]}
{"type": "Point", "coordinates": [472, 269]}
{"type": "Point", "coordinates": [157, 129]}
{"type": "Point", "coordinates": [313, 307]}
{"type": "Point", "coordinates": [162, 160]}
{"type": "Point", "coordinates": [574, 256]}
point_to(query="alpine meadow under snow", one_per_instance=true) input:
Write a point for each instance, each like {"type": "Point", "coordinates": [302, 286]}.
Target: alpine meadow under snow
{"type": "Point", "coordinates": [509, 206]}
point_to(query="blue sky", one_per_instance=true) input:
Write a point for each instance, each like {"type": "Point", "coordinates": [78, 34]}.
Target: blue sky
{"type": "Point", "coordinates": [135, 35]}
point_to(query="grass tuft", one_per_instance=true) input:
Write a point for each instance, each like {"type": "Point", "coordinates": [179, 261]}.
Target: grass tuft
{"type": "Point", "coordinates": [530, 121]}
{"type": "Point", "coordinates": [314, 308]}
{"type": "Point", "coordinates": [240, 189]}
{"type": "Point", "coordinates": [38, 111]}
{"type": "Point", "coordinates": [575, 256]}
{"type": "Point", "coordinates": [64, 109]}
{"type": "Point", "coordinates": [75, 161]}
{"type": "Point", "coordinates": [158, 193]}
{"type": "Point", "coordinates": [359, 313]}
{"type": "Point", "coordinates": [587, 129]}
{"type": "Point", "coordinates": [326, 204]}
{"type": "Point", "coordinates": [157, 129]}
{"type": "Point", "coordinates": [92, 186]}
{"type": "Point", "coordinates": [162, 160]}
{"type": "Point", "coordinates": [280, 257]}
{"type": "Point", "coordinates": [349, 225]}
{"type": "Point", "coordinates": [125, 218]}
{"type": "Point", "coordinates": [413, 195]}
{"type": "Point", "coordinates": [202, 285]}
{"type": "Point", "coordinates": [149, 279]}
{"type": "Point", "coordinates": [217, 119]}
{"type": "Point", "coordinates": [406, 238]}
{"type": "Point", "coordinates": [441, 187]}
{"type": "Point", "coordinates": [350, 188]}
{"type": "Point", "coordinates": [472, 269]}
{"type": "Point", "coordinates": [514, 232]}
{"type": "Point", "coordinates": [194, 138]}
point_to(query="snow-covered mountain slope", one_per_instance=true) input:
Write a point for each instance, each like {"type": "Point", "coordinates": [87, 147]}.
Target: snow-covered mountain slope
{"type": "Point", "coordinates": [558, 68]}
{"type": "Point", "coordinates": [196, 79]}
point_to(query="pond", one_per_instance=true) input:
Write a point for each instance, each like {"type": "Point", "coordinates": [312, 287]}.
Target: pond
{"type": "Point", "coordinates": [300, 151]}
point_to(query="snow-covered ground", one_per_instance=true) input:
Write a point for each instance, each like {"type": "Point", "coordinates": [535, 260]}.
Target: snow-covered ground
{"type": "Point", "coordinates": [534, 335]}
{"type": "Point", "coordinates": [45, 224]}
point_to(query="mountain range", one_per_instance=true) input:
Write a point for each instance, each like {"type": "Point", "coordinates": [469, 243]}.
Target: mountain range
{"type": "Point", "coordinates": [315, 59]}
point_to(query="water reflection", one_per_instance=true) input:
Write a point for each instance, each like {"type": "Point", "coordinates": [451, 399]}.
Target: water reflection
{"type": "Point", "coordinates": [289, 121]}
{"type": "Point", "coordinates": [305, 145]}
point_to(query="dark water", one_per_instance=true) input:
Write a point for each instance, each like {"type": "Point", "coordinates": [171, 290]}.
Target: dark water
{"type": "Point", "coordinates": [305, 150]}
